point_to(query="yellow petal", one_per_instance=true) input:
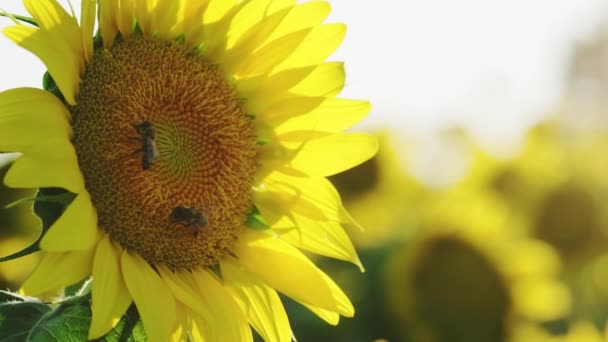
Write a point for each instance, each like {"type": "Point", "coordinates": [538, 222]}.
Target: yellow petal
{"type": "Point", "coordinates": [125, 16]}
{"type": "Point", "coordinates": [59, 270]}
{"type": "Point", "coordinates": [62, 64]}
{"type": "Point", "coordinates": [75, 229]}
{"type": "Point", "coordinates": [217, 9]}
{"type": "Point", "coordinates": [36, 169]}
{"type": "Point", "coordinates": [328, 316]}
{"type": "Point", "coordinates": [107, 21]}
{"type": "Point", "coordinates": [151, 295]}
{"type": "Point", "coordinates": [248, 15]}
{"type": "Point", "coordinates": [60, 26]}
{"type": "Point", "coordinates": [249, 42]}
{"type": "Point", "coordinates": [315, 210]}
{"type": "Point", "coordinates": [326, 80]}
{"type": "Point", "coordinates": [294, 106]}
{"type": "Point", "coordinates": [329, 155]}
{"type": "Point", "coordinates": [87, 21]}
{"type": "Point", "coordinates": [333, 115]}
{"type": "Point", "coordinates": [58, 44]}
{"type": "Point", "coordinates": [226, 320]}
{"type": "Point", "coordinates": [217, 19]}
{"type": "Point", "coordinates": [302, 16]}
{"type": "Point", "coordinates": [278, 5]}
{"type": "Point", "coordinates": [278, 83]}
{"type": "Point", "coordinates": [322, 41]}
{"type": "Point", "coordinates": [193, 21]}
{"type": "Point", "coordinates": [326, 238]}
{"type": "Point", "coordinates": [173, 24]}
{"type": "Point", "coordinates": [111, 297]}
{"type": "Point", "coordinates": [185, 326]}
{"type": "Point", "coordinates": [272, 54]}
{"type": "Point", "coordinates": [285, 268]}
{"type": "Point", "coordinates": [260, 302]}
{"type": "Point", "coordinates": [28, 116]}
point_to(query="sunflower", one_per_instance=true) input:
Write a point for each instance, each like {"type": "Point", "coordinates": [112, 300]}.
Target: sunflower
{"type": "Point", "coordinates": [196, 137]}
{"type": "Point", "coordinates": [555, 188]}
{"type": "Point", "coordinates": [468, 276]}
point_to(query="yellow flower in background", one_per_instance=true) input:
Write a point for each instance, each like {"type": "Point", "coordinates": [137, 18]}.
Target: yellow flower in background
{"type": "Point", "coordinates": [18, 228]}
{"type": "Point", "coordinates": [555, 189]}
{"type": "Point", "coordinates": [468, 276]}
{"type": "Point", "coordinates": [381, 195]}
{"type": "Point", "coordinates": [579, 332]}
{"type": "Point", "coordinates": [179, 121]}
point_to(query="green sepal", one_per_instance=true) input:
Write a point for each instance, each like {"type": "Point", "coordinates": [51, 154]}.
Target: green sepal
{"type": "Point", "coordinates": [17, 17]}
{"type": "Point", "coordinates": [49, 212]}
{"type": "Point", "coordinates": [201, 48]}
{"type": "Point", "coordinates": [97, 41]}
{"type": "Point", "coordinates": [262, 142]}
{"type": "Point", "coordinates": [48, 84]}
{"type": "Point", "coordinates": [129, 329]}
{"type": "Point", "coordinates": [181, 38]}
{"type": "Point", "coordinates": [256, 221]}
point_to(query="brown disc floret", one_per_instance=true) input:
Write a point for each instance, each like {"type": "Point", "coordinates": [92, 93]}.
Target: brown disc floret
{"type": "Point", "coordinates": [201, 150]}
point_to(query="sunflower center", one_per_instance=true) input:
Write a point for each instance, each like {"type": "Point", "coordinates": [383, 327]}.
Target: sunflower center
{"type": "Point", "coordinates": [568, 220]}
{"type": "Point", "coordinates": [458, 293]}
{"type": "Point", "coordinates": [166, 149]}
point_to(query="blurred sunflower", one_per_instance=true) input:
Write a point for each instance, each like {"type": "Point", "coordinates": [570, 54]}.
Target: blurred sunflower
{"type": "Point", "coordinates": [380, 194]}
{"type": "Point", "coordinates": [18, 227]}
{"type": "Point", "coordinates": [555, 187]}
{"type": "Point", "coordinates": [234, 117]}
{"type": "Point", "coordinates": [468, 277]}
{"type": "Point", "coordinates": [579, 332]}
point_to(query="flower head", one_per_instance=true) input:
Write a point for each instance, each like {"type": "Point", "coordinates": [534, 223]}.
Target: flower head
{"type": "Point", "coordinates": [196, 137]}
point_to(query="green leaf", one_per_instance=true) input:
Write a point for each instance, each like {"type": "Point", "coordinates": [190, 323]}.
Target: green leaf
{"type": "Point", "coordinates": [129, 329]}
{"type": "Point", "coordinates": [8, 296]}
{"type": "Point", "coordinates": [256, 221]}
{"type": "Point", "coordinates": [82, 288]}
{"type": "Point", "coordinates": [18, 318]}
{"type": "Point", "coordinates": [66, 322]}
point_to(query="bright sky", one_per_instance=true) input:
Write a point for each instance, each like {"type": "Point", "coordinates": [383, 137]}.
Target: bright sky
{"type": "Point", "coordinates": [492, 65]}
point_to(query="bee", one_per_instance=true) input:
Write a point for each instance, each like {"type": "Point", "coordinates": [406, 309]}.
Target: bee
{"type": "Point", "coordinates": [190, 217]}
{"type": "Point", "coordinates": [147, 137]}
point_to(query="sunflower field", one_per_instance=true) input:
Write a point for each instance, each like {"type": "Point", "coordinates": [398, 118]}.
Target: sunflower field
{"type": "Point", "coordinates": [192, 170]}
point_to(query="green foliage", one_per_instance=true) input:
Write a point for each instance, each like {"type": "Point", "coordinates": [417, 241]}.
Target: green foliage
{"type": "Point", "coordinates": [28, 319]}
{"type": "Point", "coordinates": [65, 322]}
{"type": "Point", "coordinates": [18, 317]}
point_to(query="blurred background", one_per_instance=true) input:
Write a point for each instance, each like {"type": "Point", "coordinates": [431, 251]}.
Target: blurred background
{"type": "Point", "coordinates": [486, 208]}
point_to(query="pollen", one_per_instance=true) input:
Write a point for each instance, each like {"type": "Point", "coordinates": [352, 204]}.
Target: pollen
{"type": "Point", "coordinates": [158, 127]}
